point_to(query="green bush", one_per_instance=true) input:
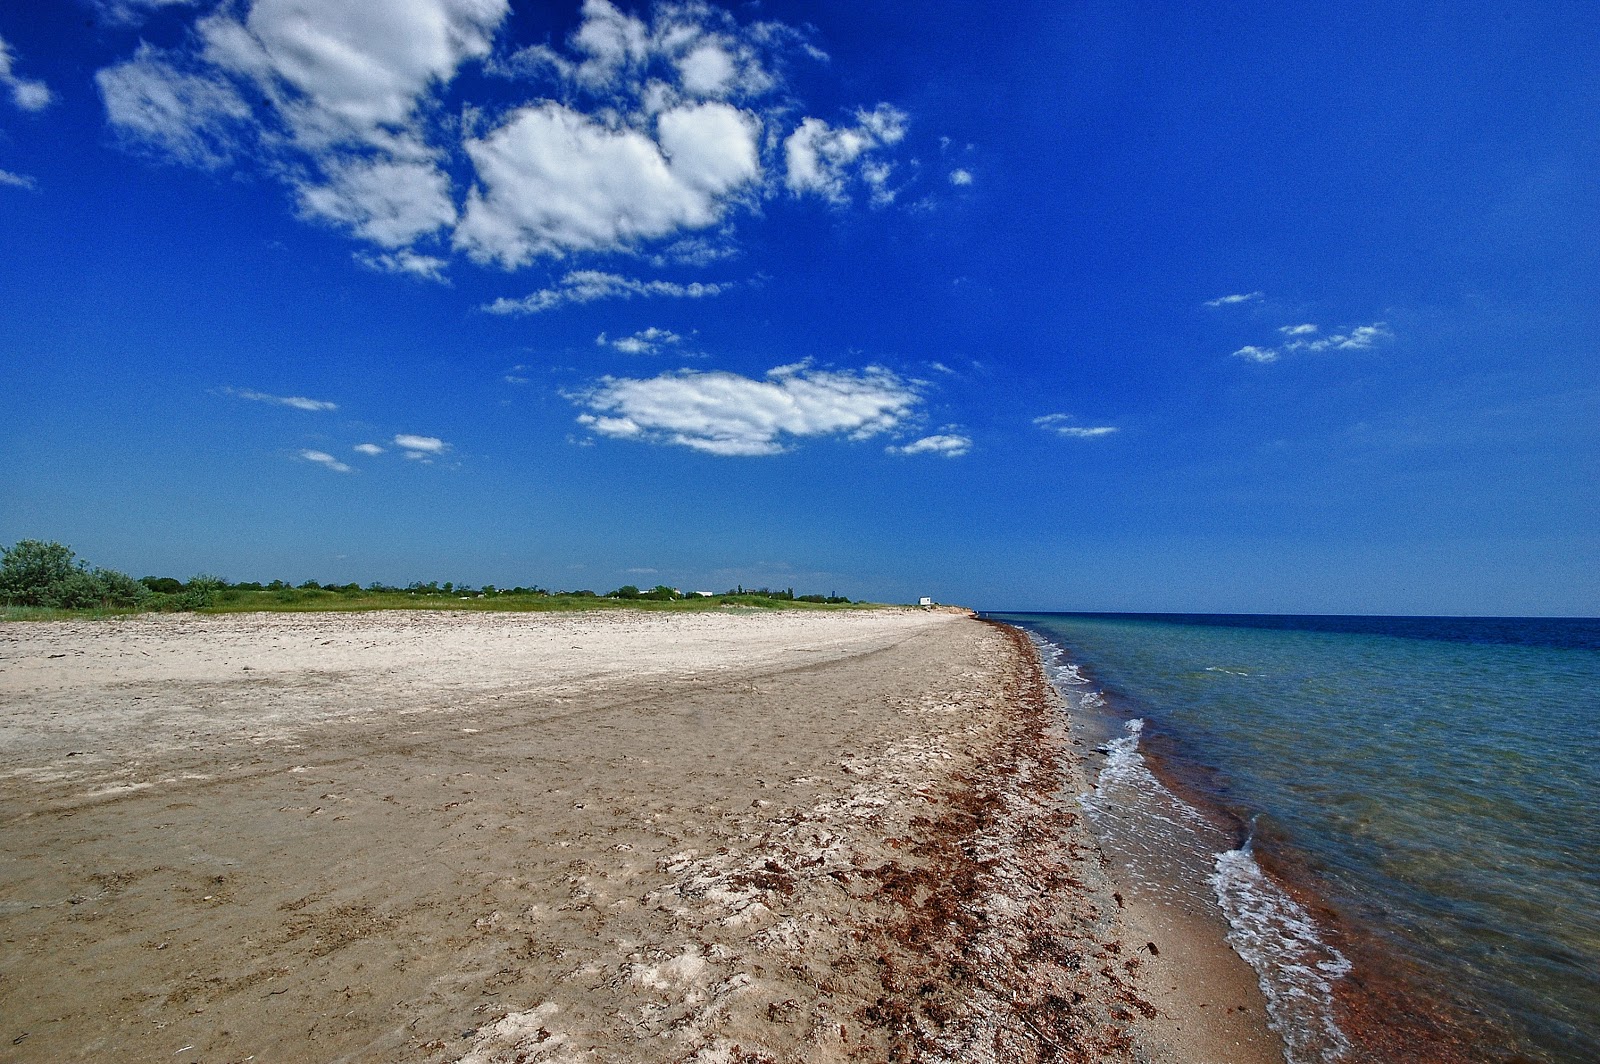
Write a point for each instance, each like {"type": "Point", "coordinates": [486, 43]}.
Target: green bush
{"type": "Point", "coordinates": [36, 573]}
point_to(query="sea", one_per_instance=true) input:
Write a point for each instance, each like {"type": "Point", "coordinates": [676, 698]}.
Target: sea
{"type": "Point", "coordinates": [1395, 819]}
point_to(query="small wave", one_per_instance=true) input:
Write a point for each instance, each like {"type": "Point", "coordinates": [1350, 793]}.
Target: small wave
{"type": "Point", "coordinates": [1296, 969]}
{"type": "Point", "coordinates": [1060, 673]}
{"type": "Point", "coordinates": [1230, 670]}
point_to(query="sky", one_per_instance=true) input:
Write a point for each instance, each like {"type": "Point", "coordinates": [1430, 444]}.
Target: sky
{"type": "Point", "coordinates": [1070, 305]}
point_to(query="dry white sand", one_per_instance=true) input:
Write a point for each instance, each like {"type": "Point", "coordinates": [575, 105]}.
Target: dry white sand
{"type": "Point", "coordinates": [794, 836]}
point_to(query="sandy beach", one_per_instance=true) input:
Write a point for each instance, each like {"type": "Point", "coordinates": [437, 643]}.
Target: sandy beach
{"type": "Point", "coordinates": [733, 836]}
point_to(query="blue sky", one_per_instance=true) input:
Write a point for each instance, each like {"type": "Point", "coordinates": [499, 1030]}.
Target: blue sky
{"type": "Point", "coordinates": [1075, 306]}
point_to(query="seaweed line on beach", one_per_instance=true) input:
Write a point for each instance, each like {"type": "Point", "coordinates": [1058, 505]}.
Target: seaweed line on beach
{"type": "Point", "coordinates": [895, 918]}
{"type": "Point", "coordinates": [1006, 947]}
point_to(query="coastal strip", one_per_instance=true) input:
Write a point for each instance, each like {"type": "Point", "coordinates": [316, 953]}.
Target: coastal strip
{"type": "Point", "coordinates": [741, 836]}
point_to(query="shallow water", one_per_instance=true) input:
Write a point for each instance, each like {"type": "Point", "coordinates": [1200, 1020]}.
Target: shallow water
{"type": "Point", "coordinates": [1437, 779]}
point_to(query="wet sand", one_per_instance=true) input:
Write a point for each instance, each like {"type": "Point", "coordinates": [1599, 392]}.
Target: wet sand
{"type": "Point", "coordinates": [596, 837]}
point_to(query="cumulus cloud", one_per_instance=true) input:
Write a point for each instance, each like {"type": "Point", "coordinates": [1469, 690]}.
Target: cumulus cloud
{"type": "Point", "coordinates": [1066, 425]}
{"type": "Point", "coordinates": [728, 414]}
{"type": "Point", "coordinates": [27, 94]}
{"type": "Point", "coordinates": [948, 445]}
{"type": "Point", "coordinates": [821, 159]}
{"type": "Point", "coordinates": [390, 202]}
{"type": "Point", "coordinates": [421, 448]}
{"type": "Point", "coordinates": [299, 402]}
{"type": "Point", "coordinates": [326, 460]}
{"type": "Point", "coordinates": [637, 131]}
{"type": "Point", "coordinates": [368, 449]}
{"type": "Point", "coordinates": [18, 180]}
{"type": "Point", "coordinates": [348, 95]}
{"type": "Point", "coordinates": [553, 180]}
{"type": "Point", "coordinates": [1360, 338]}
{"type": "Point", "coordinates": [960, 177]}
{"type": "Point", "coordinates": [586, 286]}
{"type": "Point", "coordinates": [645, 342]}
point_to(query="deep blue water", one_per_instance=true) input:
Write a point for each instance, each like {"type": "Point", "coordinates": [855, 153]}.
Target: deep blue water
{"type": "Point", "coordinates": [1439, 778]}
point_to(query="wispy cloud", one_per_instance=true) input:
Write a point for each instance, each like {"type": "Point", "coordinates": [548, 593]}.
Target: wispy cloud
{"type": "Point", "coordinates": [1066, 425]}
{"type": "Point", "coordinates": [18, 180]}
{"type": "Point", "coordinates": [960, 177]}
{"type": "Point", "coordinates": [26, 94]}
{"type": "Point", "coordinates": [1228, 301]}
{"type": "Point", "coordinates": [406, 262]}
{"type": "Point", "coordinates": [368, 449]}
{"type": "Point", "coordinates": [1257, 354]}
{"type": "Point", "coordinates": [586, 286]}
{"type": "Point", "coordinates": [136, 11]}
{"type": "Point", "coordinates": [299, 402]}
{"type": "Point", "coordinates": [1360, 338]}
{"type": "Point", "coordinates": [727, 414]}
{"type": "Point", "coordinates": [326, 460]}
{"type": "Point", "coordinates": [948, 445]}
{"type": "Point", "coordinates": [421, 448]}
{"type": "Point", "coordinates": [638, 131]}
{"type": "Point", "coordinates": [645, 342]}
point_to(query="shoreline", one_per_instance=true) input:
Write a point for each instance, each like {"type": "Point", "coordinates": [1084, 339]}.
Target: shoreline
{"type": "Point", "coordinates": [488, 837]}
{"type": "Point", "coordinates": [1389, 1005]}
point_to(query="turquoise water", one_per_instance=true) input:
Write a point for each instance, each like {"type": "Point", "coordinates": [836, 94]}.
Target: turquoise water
{"type": "Point", "coordinates": [1437, 779]}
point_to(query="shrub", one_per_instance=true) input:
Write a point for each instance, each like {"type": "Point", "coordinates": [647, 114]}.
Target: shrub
{"type": "Point", "coordinates": [35, 573]}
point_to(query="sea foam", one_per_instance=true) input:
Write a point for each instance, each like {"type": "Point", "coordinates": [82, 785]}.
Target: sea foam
{"type": "Point", "coordinates": [1295, 967]}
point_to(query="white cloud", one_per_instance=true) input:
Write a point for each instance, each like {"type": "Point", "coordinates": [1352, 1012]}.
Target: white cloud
{"type": "Point", "coordinates": [821, 159]}
{"type": "Point", "coordinates": [26, 94]}
{"type": "Point", "coordinates": [1257, 354]}
{"type": "Point", "coordinates": [368, 449]}
{"type": "Point", "coordinates": [640, 129]}
{"type": "Point", "coordinates": [406, 261]}
{"type": "Point", "coordinates": [948, 445]}
{"type": "Point", "coordinates": [18, 180]}
{"type": "Point", "coordinates": [423, 448]}
{"type": "Point", "coordinates": [327, 461]}
{"type": "Point", "coordinates": [553, 180]}
{"type": "Point", "coordinates": [1227, 301]}
{"type": "Point", "coordinates": [645, 342]}
{"type": "Point", "coordinates": [350, 72]}
{"type": "Point", "coordinates": [191, 118]}
{"type": "Point", "coordinates": [960, 177]}
{"type": "Point", "coordinates": [388, 202]}
{"type": "Point", "coordinates": [586, 286]}
{"type": "Point", "coordinates": [349, 95]}
{"type": "Point", "coordinates": [299, 402]}
{"type": "Point", "coordinates": [134, 11]}
{"type": "Point", "coordinates": [1360, 338]}
{"type": "Point", "coordinates": [727, 414]}
{"type": "Point", "coordinates": [1063, 425]}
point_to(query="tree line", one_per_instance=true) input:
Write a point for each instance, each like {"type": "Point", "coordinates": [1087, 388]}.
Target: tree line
{"type": "Point", "coordinates": [34, 573]}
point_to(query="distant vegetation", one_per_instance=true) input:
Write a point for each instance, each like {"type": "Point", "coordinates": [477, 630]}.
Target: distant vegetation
{"type": "Point", "coordinates": [42, 580]}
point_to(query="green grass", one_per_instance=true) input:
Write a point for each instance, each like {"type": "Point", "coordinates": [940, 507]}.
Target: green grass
{"type": "Point", "coordinates": [296, 600]}
{"type": "Point", "coordinates": [299, 601]}
{"type": "Point", "coordinates": [44, 613]}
